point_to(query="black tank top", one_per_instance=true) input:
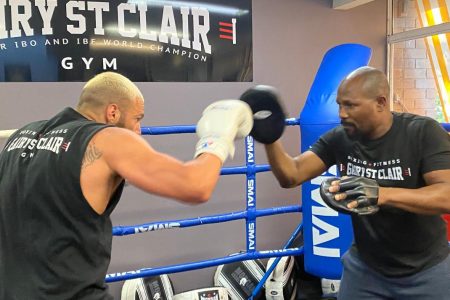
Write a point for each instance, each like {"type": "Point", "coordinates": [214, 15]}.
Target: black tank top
{"type": "Point", "coordinates": [53, 245]}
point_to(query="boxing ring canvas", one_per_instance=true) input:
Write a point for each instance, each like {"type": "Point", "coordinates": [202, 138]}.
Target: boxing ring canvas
{"type": "Point", "coordinates": [317, 218]}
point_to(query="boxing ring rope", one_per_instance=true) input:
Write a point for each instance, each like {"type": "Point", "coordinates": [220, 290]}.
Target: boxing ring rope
{"type": "Point", "coordinates": [250, 215]}
{"type": "Point", "coordinates": [158, 130]}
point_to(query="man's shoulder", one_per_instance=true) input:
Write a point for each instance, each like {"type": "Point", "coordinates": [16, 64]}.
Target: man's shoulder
{"type": "Point", "coordinates": [337, 132]}
{"type": "Point", "coordinates": [110, 136]}
{"type": "Point", "coordinates": [30, 129]}
{"type": "Point", "coordinates": [415, 124]}
{"type": "Point", "coordinates": [33, 125]}
{"type": "Point", "coordinates": [112, 131]}
{"type": "Point", "coordinates": [409, 118]}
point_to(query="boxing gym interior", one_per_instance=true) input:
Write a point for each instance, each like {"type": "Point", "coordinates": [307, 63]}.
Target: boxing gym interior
{"type": "Point", "coordinates": [302, 48]}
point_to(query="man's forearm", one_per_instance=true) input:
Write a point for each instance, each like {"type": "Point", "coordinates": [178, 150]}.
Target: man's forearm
{"type": "Point", "coordinates": [293, 171]}
{"type": "Point", "coordinates": [283, 166]}
{"type": "Point", "coordinates": [432, 199]}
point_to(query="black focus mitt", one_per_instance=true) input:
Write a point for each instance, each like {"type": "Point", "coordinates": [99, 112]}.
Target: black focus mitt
{"type": "Point", "coordinates": [268, 114]}
{"type": "Point", "coordinates": [360, 189]}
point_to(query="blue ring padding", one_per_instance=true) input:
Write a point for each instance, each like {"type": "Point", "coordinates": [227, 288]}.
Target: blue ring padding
{"type": "Point", "coordinates": [319, 114]}
{"type": "Point", "coordinates": [250, 201]}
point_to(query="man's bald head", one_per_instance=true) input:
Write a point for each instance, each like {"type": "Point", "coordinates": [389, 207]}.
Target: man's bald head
{"type": "Point", "coordinates": [111, 98]}
{"type": "Point", "coordinates": [370, 82]}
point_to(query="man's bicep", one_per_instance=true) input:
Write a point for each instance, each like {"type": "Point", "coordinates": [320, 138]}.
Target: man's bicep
{"type": "Point", "coordinates": [154, 172]}
{"type": "Point", "coordinates": [438, 176]}
{"type": "Point", "coordinates": [133, 159]}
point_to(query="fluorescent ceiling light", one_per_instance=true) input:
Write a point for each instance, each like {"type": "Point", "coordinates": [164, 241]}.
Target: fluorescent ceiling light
{"type": "Point", "coordinates": [214, 8]}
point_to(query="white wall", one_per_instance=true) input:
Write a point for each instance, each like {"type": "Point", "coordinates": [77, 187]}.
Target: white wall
{"type": "Point", "coordinates": [290, 38]}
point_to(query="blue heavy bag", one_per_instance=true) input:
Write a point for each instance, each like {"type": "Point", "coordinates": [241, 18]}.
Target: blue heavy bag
{"type": "Point", "coordinates": [327, 233]}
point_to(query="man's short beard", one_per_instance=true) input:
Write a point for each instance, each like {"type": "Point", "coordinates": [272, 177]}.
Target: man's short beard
{"type": "Point", "coordinates": [121, 122]}
{"type": "Point", "coordinates": [355, 135]}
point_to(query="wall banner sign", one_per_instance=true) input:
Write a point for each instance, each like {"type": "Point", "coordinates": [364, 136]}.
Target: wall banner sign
{"type": "Point", "coordinates": [146, 40]}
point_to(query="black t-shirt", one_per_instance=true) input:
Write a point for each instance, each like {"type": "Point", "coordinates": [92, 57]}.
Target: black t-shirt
{"type": "Point", "coordinates": [393, 241]}
{"type": "Point", "coordinates": [53, 245]}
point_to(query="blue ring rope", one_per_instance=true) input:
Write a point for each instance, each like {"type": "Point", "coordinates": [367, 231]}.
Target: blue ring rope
{"type": "Point", "coordinates": [250, 215]}
{"type": "Point", "coordinates": [153, 226]}
{"type": "Point", "coordinates": [146, 272]}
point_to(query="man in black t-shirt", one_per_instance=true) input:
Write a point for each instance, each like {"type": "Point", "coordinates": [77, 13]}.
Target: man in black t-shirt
{"type": "Point", "coordinates": [400, 252]}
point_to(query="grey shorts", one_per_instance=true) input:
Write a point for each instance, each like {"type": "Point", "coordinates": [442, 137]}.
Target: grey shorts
{"type": "Point", "coordinates": [361, 282]}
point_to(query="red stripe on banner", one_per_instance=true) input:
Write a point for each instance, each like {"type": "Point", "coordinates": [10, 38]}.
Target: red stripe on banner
{"type": "Point", "coordinates": [226, 37]}
{"type": "Point", "coordinates": [225, 30]}
{"type": "Point", "coordinates": [225, 24]}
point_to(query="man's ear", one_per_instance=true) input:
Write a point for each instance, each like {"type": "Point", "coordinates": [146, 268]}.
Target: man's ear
{"type": "Point", "coordinates": [382, 103]}
{"type": "Point", "coordinates": [112, 114]}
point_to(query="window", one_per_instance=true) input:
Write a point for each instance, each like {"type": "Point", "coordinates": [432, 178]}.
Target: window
{"type": "Point", "coordinates": [419, 57]}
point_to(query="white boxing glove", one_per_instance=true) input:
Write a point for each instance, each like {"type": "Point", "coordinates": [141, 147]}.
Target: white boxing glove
{"type": "Point", "coordinates": [221, 123]}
